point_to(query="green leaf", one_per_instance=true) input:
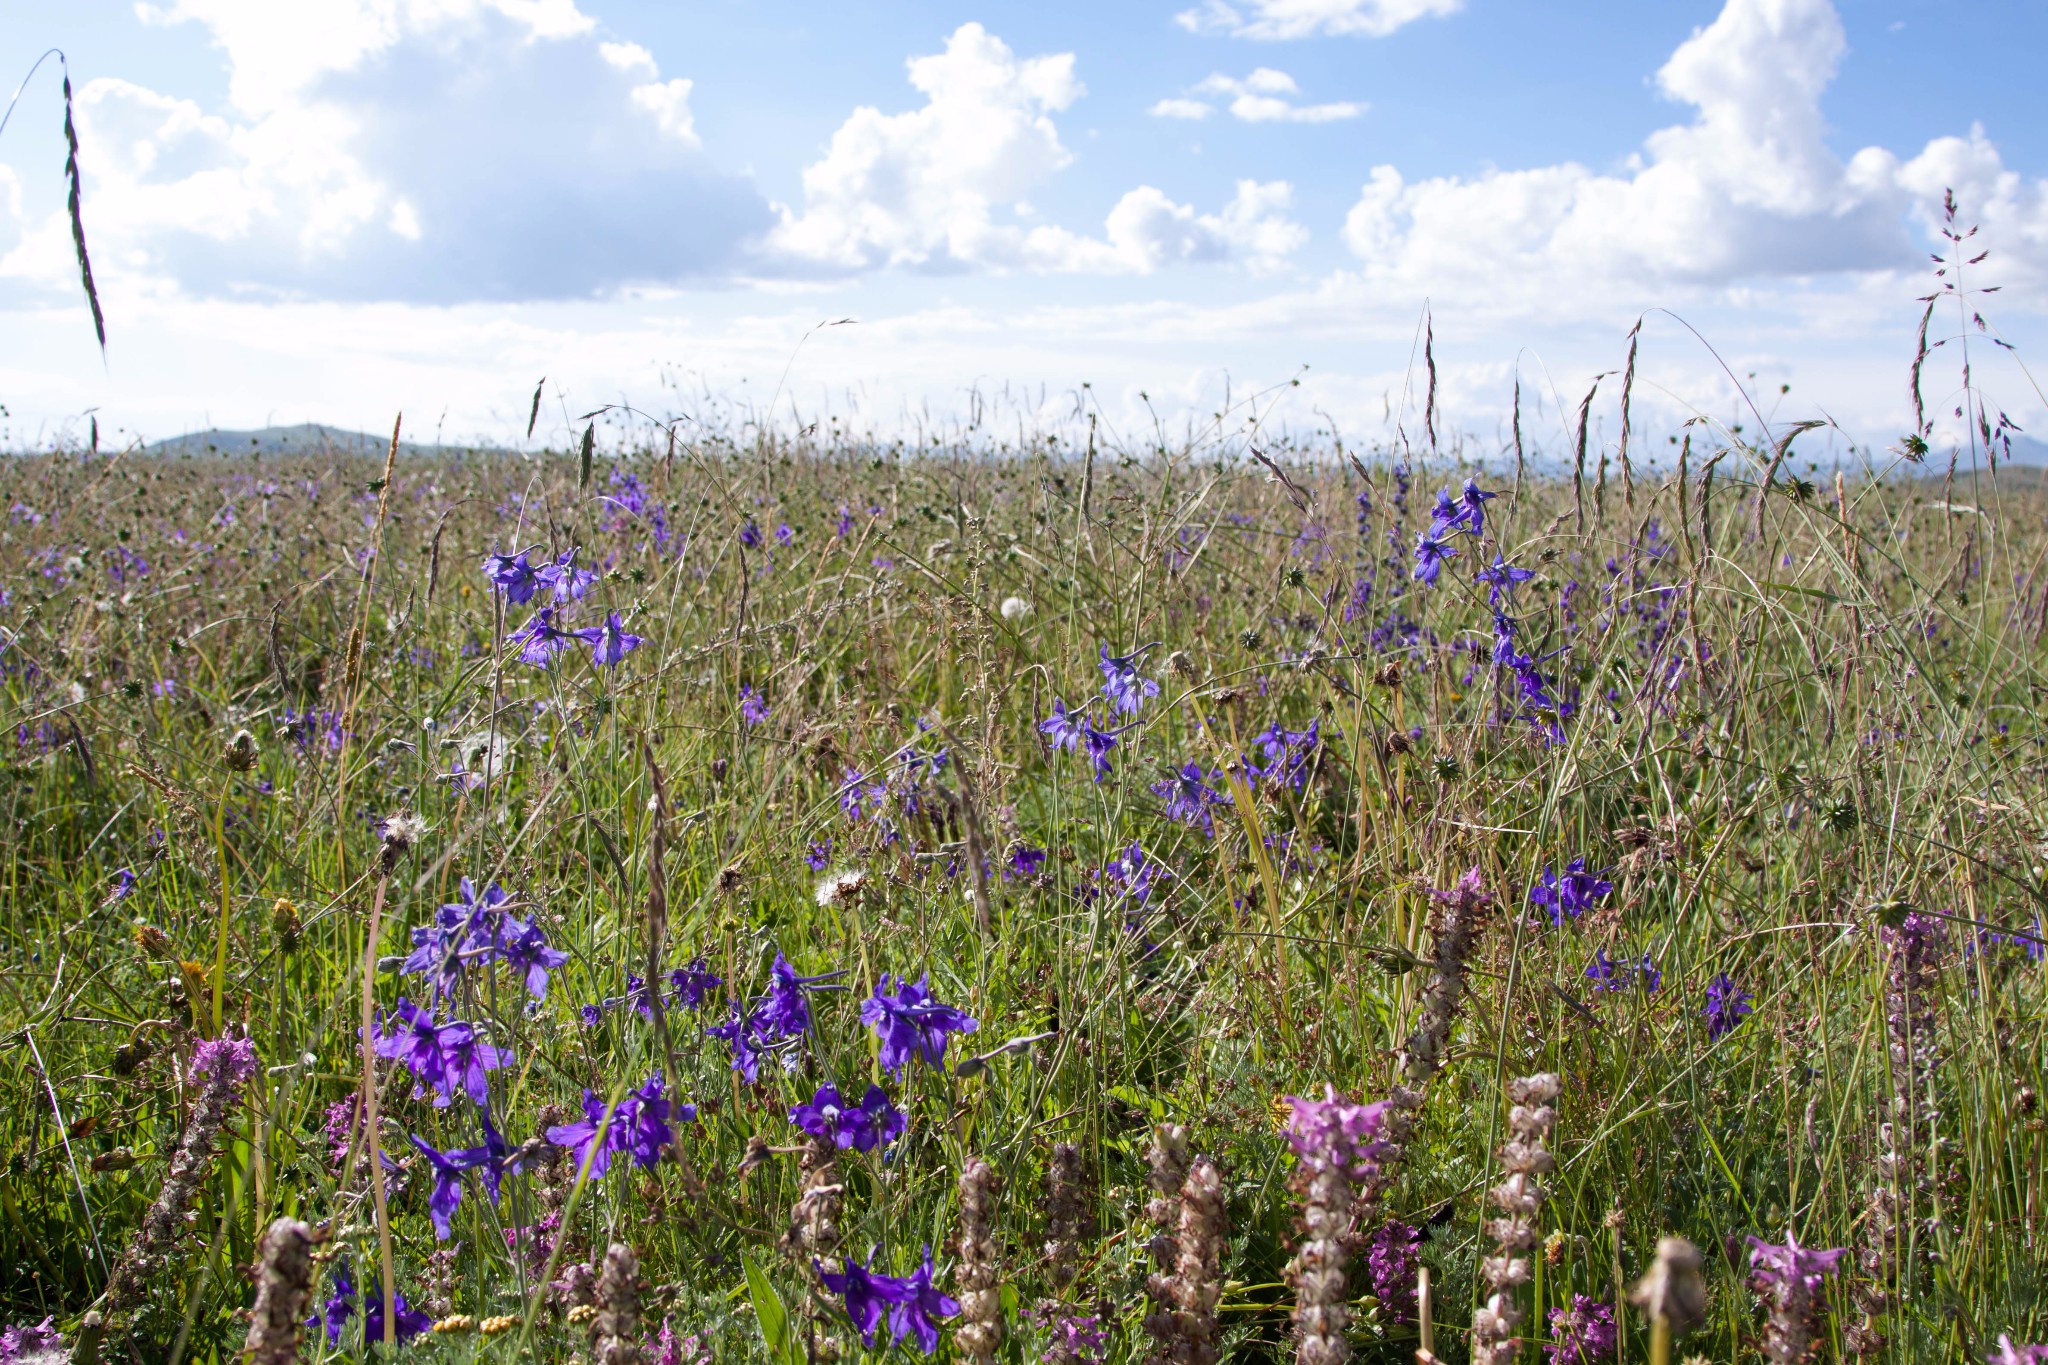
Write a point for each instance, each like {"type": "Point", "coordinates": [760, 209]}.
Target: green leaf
{"type": "Point", "coordinates": [773, 1317]}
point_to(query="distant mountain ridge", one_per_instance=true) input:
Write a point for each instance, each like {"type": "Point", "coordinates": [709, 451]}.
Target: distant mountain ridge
{"type": "Point", "coordinates": [306, 438]}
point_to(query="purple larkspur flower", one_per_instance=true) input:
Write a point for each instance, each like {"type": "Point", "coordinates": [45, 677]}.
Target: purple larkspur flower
{"type": "Point", "coordinates": [1472, 507]}
{"type": "Point", "coordinates": [443, 1057]}
{"type": "Point", "coordinates": [1431, 554]}
{"type": "Point", "coordinates": [784, 1010]}
{"type": "Point", "coordinates": [1126, 690]}
{"type": "Point", "coordinates": [868, 1297]}
{"type": "Point", "coordinates": [1446, 516]}
{"type": "Point", "coordinates": [446, 1195]}
{"type": "Point", "coordinates": [1024, 861]}
{"type": "Point", "coordinates": [858, 796]}
{"type": "Point", "coordinates": [750, 535]}
{"type": "Point", "coordinates": [1289, 754]}
{"type": "Point", "coordinates": [1099, 743]}
{"type": "Point", "coordinates": [1500, 580]}
{"type": "Point", "coordinates": [610, 642]}
{"type": "Point", "coordinates": [1063, 728]}
{"type": "Point", "coordinates": [912, 1024]}
{"type": "Point", "coordinates": [1727, 1005]}
{"type": "Point", "coordinates": [564, 579]}
{"type": "Point", "coordinates": [639, 1127]}
{"type": "Point", "coordinates": [341, 1306]}
{"type": "Point", "coordinates": [818, 856]}
{"type": "Point", "coordinates": [1189, 798]}
{"type": "Point", "coordinates": [514, 575]}
{"type": "Point", "coordinates": [874, 1121]}
{"type": "Point", "coordinates": [691, 984]}
{"type": "Point", "coordinates": [737, 1033]}
{"type": "Point", "coordinates": [753, 707]}
{"type": "Point", "coordinates": [1571, 895]}
{"type": "Point", "coordinates": [1131, 876]}
{"type": "Point", "coordinates": [1607, 974]}
{"type": "Point", "coordinates": [920, 1308]}
{"type": "Point", "coordinates": [521, 946]}
{"type": "Point", "coordinates": [540, 639]}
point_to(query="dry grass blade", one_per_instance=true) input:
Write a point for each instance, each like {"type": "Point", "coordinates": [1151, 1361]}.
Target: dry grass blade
{"type": "Point", "coordinates": [92, 294]}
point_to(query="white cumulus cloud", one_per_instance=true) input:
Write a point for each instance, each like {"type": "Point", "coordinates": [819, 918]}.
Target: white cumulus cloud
{"type": "Point", "coordinates": [927, 188]}
{"type": "Point", "coordinates": [1273, 20]}
{"type": "Point", "coordinates": [1747, 189]}
{"type": "Point", "coordinates": [427, 150]}
{"type": "Point", "coordinates": [1264, 96]}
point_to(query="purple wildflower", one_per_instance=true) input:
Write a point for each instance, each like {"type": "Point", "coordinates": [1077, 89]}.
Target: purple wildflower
{"type": "Point", "coordinates": [692, 983]}
{"type": "Point", "coordinates": [1446, 516]}
{"type": "Point", "coordinates": [1571, 895]}
{"type": "Point", "coordinates": [874, 1121]}
{"type": "Point", "coordinates": [753, 707]}
{"type": "Point", "coordinates": [610, 642]}
{"type": "Point", "coordinates": [1099, 743]}
{"type": "Point", "coordinates": [540, 639]}
{"type": "Point", "coordinates": [514, 575]}
{"type": "Point", "coordinates": [1501, 579]}
{"type": "Point", "coordinates": [1063, 728]}
{"type": "Point", "coordinates": [1189, 797]}
{"type": "Point", "coordinates": [1120, 681]}
{"type": "Point", "coordinates": [785, 1011]}
{"type": "Point", "coordinates": [521, 945]}
{"type": "Point", "coordinates": [341, 1306]}
{"type": "Point", "coordinates": [868, 1296]}
{"type": "Point", "coordinates": [737, 1032]}
{"type": "Point", "coordinates": [1391, 1261]}
{"type": "Point", "coordinates": [818, 856]}
{"type": "Point", "coordinates": [568, 582]}
{"type": "Point", "coordinates": [1334, 1134]}
{"type": "Point", "coordinates": [1024, 861]}
{"type": "Point", "coordinates": [750, 535]}
{"type": "Point", "coordinates": [1606, 974]}
{"type": "Point", "coordinates": [639, 1126]}
{"type": "Point", "coordinates": [446, 1196]}
{"type": "Point", "coordinates": [912, 1024]}
{"type": "Point", "coordinates": [1582, 1334]}
{"type": "Point", "coordinates": [42, 1342]}
{"type": "Point", "coordinates": [1472, 507]}
{"type": "Point", "coordinates": [1289, 754]}
{"type": "Point", "coordinates": [2009, 1354]}
{"type": "Point", "coordinates": [443, 1058]}
{"type": "Point", "coordinates": [1430, 556]}
{"type": "Point", "coordinates": [920, 1308]}
{"type": "Point", "coordinates": [858, 796]}
{"type": "Point", "coordinates": [1726, 1006]}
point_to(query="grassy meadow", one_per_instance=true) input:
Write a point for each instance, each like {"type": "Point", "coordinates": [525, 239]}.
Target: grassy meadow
{"type": "Point", "coordinates": [1096, 797]}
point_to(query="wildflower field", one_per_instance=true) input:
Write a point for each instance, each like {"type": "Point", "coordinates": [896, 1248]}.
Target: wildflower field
{"type": "Point", "coordinates": [803, 898]}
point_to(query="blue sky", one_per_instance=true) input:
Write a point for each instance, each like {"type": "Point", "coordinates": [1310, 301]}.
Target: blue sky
{"type": "Point", "coordinates": [333, 209]}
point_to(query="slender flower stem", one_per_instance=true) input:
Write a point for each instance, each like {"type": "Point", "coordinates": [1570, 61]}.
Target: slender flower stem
{"type": "Point", "coordinates": [370, 938]}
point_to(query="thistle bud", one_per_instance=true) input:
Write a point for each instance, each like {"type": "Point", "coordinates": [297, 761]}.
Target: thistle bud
{"type": "Point", "coordinates": [1673, 1290]}
{"type": "Point", "coordinates": [240, 755]}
